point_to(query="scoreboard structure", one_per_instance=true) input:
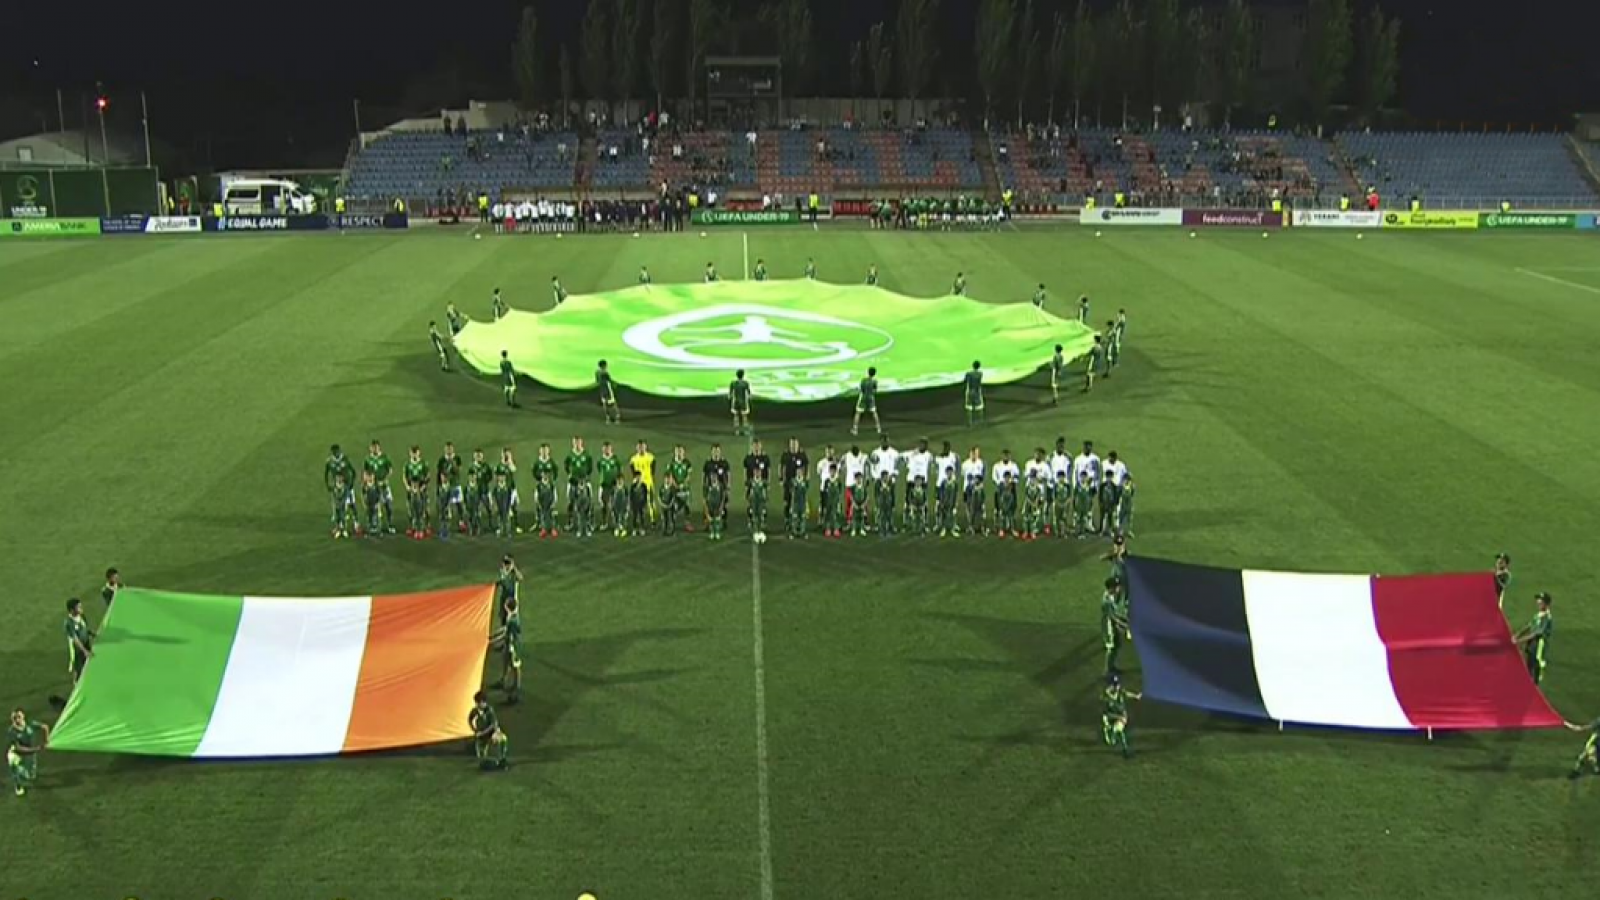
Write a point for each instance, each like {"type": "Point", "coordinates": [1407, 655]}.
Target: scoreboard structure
{"type": "Point", "coordinates": [744, 89]}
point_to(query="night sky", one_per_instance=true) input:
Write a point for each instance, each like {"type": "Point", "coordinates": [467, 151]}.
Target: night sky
{"type": "Point", "coordinates": [275, 84]}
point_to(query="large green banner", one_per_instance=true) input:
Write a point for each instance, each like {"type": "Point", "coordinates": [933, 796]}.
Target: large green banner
{"type": "Point", "coordinates": [745, 217]}
{"type": "Point", "coordinates": [1567, 221]}
{"type": "Point", "coordinates": [796, 340]}
{"type": "Point", "coordinates": [26, 194]}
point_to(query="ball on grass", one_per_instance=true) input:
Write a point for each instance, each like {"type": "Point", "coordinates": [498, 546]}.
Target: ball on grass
{"type": "Point", "coordinates": [1361, 237]}
{"type": "Point", "coordinates": [1097, 234]}
{"type": "Point", "coordinates": [759, 537]}
{"type": "Point", "coordinates": [702, 234]}
{"type": "Point", "coordinates": [587, 896]}
{"type": "Point", "coordinates": [1191, 234]}
{"type": "Point", "coordinates": [477, 237]}
{"type": "Point", "coordinates": [1263, 234]}
{"type": "Point", "coordinates": [636, 234]}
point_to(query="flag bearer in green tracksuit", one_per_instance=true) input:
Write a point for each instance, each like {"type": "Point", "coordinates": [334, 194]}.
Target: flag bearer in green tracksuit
{"type": "Point", "coordinates": [449, 499]}
{"type": "Point", "coordinates": [682, 471]}
{"type": "Point", "coordinates": [1058, 373]}
{"type": "Point", "coordinates": [1117, 328]}
{"type": "Point", "coordinates": [798, 489]}
{"type": "Point", "coordinates": [80, 640]}
{"type": "Point", "coordinates": [1118, 557]}
{"type": "Point", "coordinates": [739, 402]}
{"type": "Point", "coordinates": [372, 502]}
{"type": "Point", "coordinates": [973, 390]}
{"type": "Point", "coordinates": [608, 393]}
{"type": "Point", "coordinates": [1083, 505]}
{"type": "Point", "coordinates": [1535, 638]}
{"type": "Point", "coordinates": [439, 346]}
{"type": "Point", "coordinates": [609, 468]}
{"type": "Point", "coordinates": [1114, 715]}
{"type": "Point", "coordinates": [830, 513]}
{"type": "Point", "coordinates": [578, 466]}
{"type": "Point", "coordinates": [1125, 508]}
{"type": "Point", "coordinates": [758, 506]}
{"type": "Point", "coordinates": [25, 740]}
{"type": "Point", "coordinates": [1110, 336]}
{"type": "Point", "coordinates": [378, 465]}
{"type": "Point", "coordinates": [1083, 309]}
{"type": "Point", "coordinates": [1113, 622]}
{"type": "Point", "coordinates": [1591, 749]}
{"type": "Point", "coordinates": [761, 270]}
{"type": "Point", "coordinates": [488, 741]}
{"type": "Point", "coordinates": [1096, 354]}
{"type": "Point", "coordinates": [716, 507]}
{"type": "Point", "coordinates": [667, 500]}
{"type": "Point", "coordinates": [544, 495]}
{"type": "Point", "coordinates": [508, 501]}
{"type": "Point", "coordinates": [508, 638]}
{"type": "Point", "coordinates": [339, 476]}
{"type": "Point", "coordinates": [883, 504]}
{"type": "Point", "coordinates": [1502, 575]}
{"type": "Point", "coordinates": [508, 379]}
{"type": "Point", "coordinates": [508, 587]}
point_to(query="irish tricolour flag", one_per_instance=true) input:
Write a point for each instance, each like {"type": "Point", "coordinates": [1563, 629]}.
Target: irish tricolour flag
{"type": "Point", "coordinates": [1359, 651]}
{"type": "Point", "coordinates": [219, 676]}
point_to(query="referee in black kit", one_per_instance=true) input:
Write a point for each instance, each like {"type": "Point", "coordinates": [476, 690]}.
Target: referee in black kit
{"type": "Point", "coordinates": [793, 462]}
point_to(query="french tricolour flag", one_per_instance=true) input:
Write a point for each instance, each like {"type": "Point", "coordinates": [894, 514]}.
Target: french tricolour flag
{"type": "Point", "coordinates": [1357, 651]}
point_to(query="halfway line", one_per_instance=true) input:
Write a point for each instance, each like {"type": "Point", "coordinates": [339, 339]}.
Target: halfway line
{"type": "Point", "coordinates": [764, 805]}
{"type": "Point", "coordinates": [746, 271]}
{"type": "Point", "coordinates": [1562, 281]}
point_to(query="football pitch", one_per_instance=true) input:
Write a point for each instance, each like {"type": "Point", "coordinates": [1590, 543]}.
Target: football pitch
{"type": "Point", "coordinates": [903, 718]}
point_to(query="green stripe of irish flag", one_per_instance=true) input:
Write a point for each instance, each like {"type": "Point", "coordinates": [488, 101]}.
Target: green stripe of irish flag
{"type": "Point", "coordinates": [219, 676]}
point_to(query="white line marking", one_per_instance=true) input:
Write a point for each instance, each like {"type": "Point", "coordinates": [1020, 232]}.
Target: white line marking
{"type": "Point", "coordinates": [746, 236]}
{"type": "Point", "coordinates": [763, 798]}
{"type": "Point", "coordinates": [1561, 281]}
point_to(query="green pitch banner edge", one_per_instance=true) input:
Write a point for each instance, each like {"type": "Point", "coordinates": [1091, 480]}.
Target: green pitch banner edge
{"type": "Point", "coordinates": [154, 679]}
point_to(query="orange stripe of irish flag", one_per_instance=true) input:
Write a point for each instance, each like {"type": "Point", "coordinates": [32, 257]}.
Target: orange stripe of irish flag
{"type": "Point", "coordinates": [423, 662]}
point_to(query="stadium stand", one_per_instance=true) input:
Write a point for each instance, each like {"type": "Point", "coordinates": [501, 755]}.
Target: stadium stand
{"type": "Point", "coordinates": [418, 165]}
{"type": "Point", "coordinates": [1470, 170]}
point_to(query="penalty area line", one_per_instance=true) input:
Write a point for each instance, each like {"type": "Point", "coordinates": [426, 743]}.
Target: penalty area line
{"type": "Point", "coordinates": [1561, 281]}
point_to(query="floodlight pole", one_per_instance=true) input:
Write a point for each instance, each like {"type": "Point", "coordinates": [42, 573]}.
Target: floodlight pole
{"type": "Point", "coordinates": [144, 106]}
{"type": "Point", "coordinates": [61, 113]}
{"type": "Point", "coordinates": [105, 144]}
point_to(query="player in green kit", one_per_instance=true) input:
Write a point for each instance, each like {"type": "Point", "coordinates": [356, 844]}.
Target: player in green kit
{"type": "Point", "coordinates": [1083, 309]}
{"type": "Point", "coordinates": [1113, 622]}
{"type": "Point", "coordinates": [867, 402]}
{"type": "Point", "coordinates": [1114, 715]}
{"type": "Point", "coordinates": [1125, 509]}
{"type": "Point", "coordinates": [757, 498]}
{"type": "Point", "coordinates": [608, 393]}
{"type": "Point", "coordinates": [799, 488]}
{"type": "Point", "coordinates": [454, 319]}
{"type": "Point", "coordinates": [497, 306]}
{"type": "Point", "coordinates": [883, 505]}
{"type": "Point", "coordinates": [948, 489]}
{"type": "Point", "coordinates": [1096, 354]}
{"type": "Point", "coordinates": [667, 498]}
{"type": "Point", "coordinates": [579, 468]}
{"type": "Point", "coordinates": [959, 288]}
{"type": "Point", "coordinates": [872, 275]}
{"type": "Point", "coordinates": [682, 472]}
{"type": "Point", "coordinates": [711, 273]}
{"type": "Point", "coordinates": [439, 346]}
{"type": "Point", "coordinates": [451, 501]}
{"type": "Point", "coordinates": [609, 468]}
{"type": "Point", "coordinates": [339, 476]}
{"type": "Point", "coordinates": [415, 478]}
{"type": "Point", "coordinates": [1118, 557]}
{"type": "Point", "coordinates": [973, 392]}
{"type": "Point", "coordinates": [1038, 297]}
{"type": "Point", "coordinates": [1117, 334]}
{"type": "Point", "coordinates": [508, 501]}
{"type": "Point", "coordinates": [488, 741]}
{"type": "Point", "coordinates": [558, 294]}
{"type": "Point", "coordinates": [761, 270]}
{"type": "Point", "coordinates": [716, 507]}
{"type": "Point", "coordinates": [644, 276]}
{"type": "Point", "coordinates": [480, 494]}
{"type": "Point", "coordinates": [830, 498]}
{"type": "Point", "coordinates": [1061, 506]}
{"type": "Point", "coordinates": [544, 496]}
{"type": "Point", "coordinates": [1502, 575]}
{"type": "Point", "coordinates": [508, 639]}
{"type": "Point", "coordinates": [508, 379]}
{"type": "Point", "coordinates": [1058, 371]}
{"type": "Point", "coordinates": [113, 584]}
{"type": "Point", "coordinates": [25, 740]}
{"type": "Point", "coordinates": [372, 502]}
{"type": "Point", "coordinates": [739, 403]}
{"type": "Point", "coordinates": [1535, 638]}
{"type": "Point", "coordinates": [377, 464]}
{"type": "Point", "coordinates": [1589, 755]}
{"type": "Point", "coordinates": [811, 269]}
{"type": "Point", "coordinates": [80, 640]}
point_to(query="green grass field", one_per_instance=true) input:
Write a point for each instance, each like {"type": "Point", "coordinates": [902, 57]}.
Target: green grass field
{"type": "Point", "coordinates": [1407, 403]}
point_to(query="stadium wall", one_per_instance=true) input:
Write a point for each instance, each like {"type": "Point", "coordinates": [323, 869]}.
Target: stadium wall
{"type": "Point", "coordinates": [78, 193]}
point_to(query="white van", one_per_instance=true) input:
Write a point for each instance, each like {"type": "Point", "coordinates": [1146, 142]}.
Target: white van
{"type": "Point", "coordinates": [266, 197]}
